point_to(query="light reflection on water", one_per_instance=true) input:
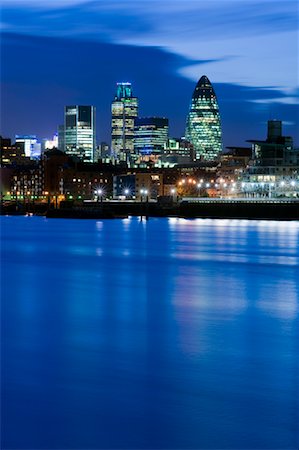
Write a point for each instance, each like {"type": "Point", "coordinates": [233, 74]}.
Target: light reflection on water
{"type": "Point", "coordinates": [167, 333]}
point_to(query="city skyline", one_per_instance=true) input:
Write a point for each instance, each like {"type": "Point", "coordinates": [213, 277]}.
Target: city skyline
{"type": "Point", "coordinates": [162, 52]}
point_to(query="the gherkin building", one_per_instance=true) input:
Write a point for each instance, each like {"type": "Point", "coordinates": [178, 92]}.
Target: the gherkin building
{"type": "Point", "coordinates": [203, 127]}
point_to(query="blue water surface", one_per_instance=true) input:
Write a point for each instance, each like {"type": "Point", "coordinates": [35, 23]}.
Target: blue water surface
{"type": "Point", "coordinates": [167, 333]}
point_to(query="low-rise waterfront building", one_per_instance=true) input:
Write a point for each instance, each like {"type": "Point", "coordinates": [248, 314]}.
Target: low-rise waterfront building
{"type": "Point", "coordinates": [274, 169]}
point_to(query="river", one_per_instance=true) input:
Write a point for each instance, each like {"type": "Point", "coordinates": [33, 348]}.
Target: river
{"type": "Point", "coordinates": [166, 333]}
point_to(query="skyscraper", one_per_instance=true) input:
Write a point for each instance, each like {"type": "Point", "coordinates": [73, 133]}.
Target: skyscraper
{"type": "Point", "coordinates": [151, 134]}
{"type": "Point", "coordinates": [79, 132]}
{"type": "Point", "coordinates": [124, 109]}
{"type": "Point", "coordinates": [203, 127]}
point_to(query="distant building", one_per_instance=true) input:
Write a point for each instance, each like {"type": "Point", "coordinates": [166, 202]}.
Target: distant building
{"type": "Point", "coordinates": [60, 134]}
{"type": "Point", "coordinates": [32, 147]}
{"type": "Point", "coordinates": [78, 137]}
{"type": "Point", "coordinates": [177, 151]}
{"type": "Point", "coordinates": [124, 110]}
{"type": "Point", "coordinates": [48, 144]}
{"type": "Point", "coordinates": [203, 126]}
{"type": "Point", "coordinates": [103, 152]}
{"type": "Point", "coordinates": [151, 135]}
{"type": "Point", "coordinates": [12, 154]}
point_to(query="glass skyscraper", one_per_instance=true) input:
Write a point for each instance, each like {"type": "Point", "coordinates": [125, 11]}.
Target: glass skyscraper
{"type": "Point", "coordinates": [124, 110]}
{"type": "Point", "coordinates": [79, 137]}
{"type": "Point", "coordinates": [203, 127]}
{"type": "Point", "coordinates": [151, 134]}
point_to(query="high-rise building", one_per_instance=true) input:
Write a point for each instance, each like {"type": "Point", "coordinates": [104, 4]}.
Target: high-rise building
{"type": "Point", "coordinates": [203, 127]}
{"type": "Point", "coordinates": [32, 148]}
{"type": "Point", "coordinates": [124, 110]}
{"type": "Point", "coordinates": [79, 135]}
{"type": "Point", "coordinates": [151, 134]}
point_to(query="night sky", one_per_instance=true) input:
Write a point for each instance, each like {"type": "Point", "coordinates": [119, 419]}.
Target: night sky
{"type": "Point", "coordinates": [73, 52]}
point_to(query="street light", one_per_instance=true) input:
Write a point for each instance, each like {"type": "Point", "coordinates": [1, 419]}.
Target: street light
{"type": "Point", "coordinates": [127, 192]}
{"type": "Point", "coordinates": [100, 194]}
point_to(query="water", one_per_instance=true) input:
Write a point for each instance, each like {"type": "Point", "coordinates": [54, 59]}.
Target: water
{"type": "Point", "coordinates": [169, 333]}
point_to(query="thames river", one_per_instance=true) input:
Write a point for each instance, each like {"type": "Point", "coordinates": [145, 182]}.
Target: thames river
{"type": "Point", "coordinates": [166, 333]}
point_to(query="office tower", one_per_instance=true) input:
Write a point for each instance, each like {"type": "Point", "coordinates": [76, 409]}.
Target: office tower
{"type": "Point", "coordinates": [124, 110]}
{"type": "Point", "coordinates": [79, 135]}
{"type": "Point", "coordinates": [203, 127]}
{"type": "Point", "coordinates": [32, 148]}
{"type": "Point", "coordinates": [151, 134]}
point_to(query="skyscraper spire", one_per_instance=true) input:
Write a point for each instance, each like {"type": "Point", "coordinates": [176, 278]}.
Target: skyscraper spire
{"type": "Point", "coordinates": [203, 127]}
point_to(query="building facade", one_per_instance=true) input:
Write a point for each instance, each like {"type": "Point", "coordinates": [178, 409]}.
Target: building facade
{"type": "Point", "coordinates": [12, 154]}
{"type": "Point", "coordinates": [124, 110]}
{"type": "Point", "coordinates": [177, 151]}
{"type": "Point", "coordinates": [151, 135]}
{"type": "Point", "coordinates": [78, 136]}
{"type": "Point", "coordinates": [138, 185]}
{"type": "Point", "coordinates": [274, 169]}
{"type": "Point", "coordinates": [203, 125]}
{"type": "Point", "coordinates": [32, 148]}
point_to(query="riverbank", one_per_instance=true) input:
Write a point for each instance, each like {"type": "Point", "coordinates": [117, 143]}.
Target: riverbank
{"type": "Point", "coordinates": [200, 208]}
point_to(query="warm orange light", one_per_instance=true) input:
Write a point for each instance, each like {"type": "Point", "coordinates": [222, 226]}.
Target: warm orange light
{"type": "Point", "coordinates": [46, 193]}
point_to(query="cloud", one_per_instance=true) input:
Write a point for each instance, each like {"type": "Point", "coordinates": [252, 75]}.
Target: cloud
{"type": "Point", "coordinates": [250, 43]}
{"type": "Point", "coordinates": [64, 71]}
{"type": "Point", "coordinates": [283, 100]}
